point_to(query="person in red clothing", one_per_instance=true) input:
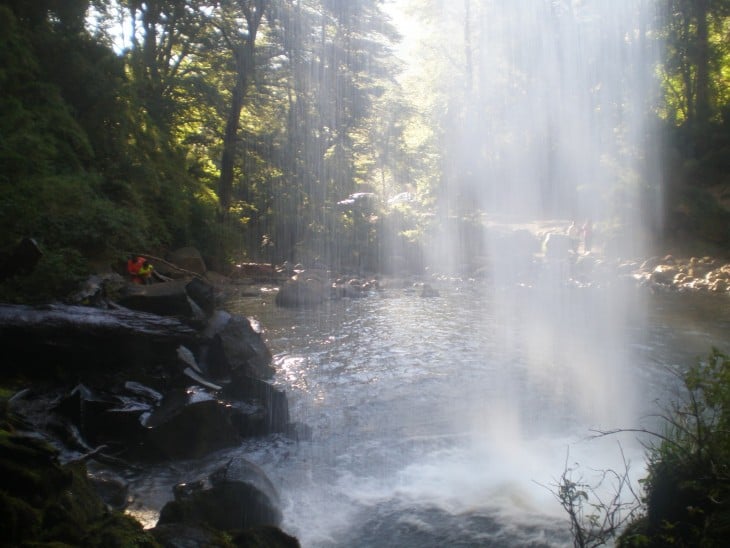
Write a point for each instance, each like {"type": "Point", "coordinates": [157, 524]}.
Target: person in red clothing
{"type": "Point", "coordinates": [139, 269]}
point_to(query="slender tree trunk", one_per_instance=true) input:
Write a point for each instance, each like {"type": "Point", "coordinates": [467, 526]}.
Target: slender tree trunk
{"type": "Point", "coordinates": [230, 137]}
{"type": "Point", "coordinates": [702, 65]}
{"type": "Point", "coordinates": [245, 65]}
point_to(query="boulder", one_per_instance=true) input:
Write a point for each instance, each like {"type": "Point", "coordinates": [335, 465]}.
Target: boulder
{"type": "Point", "coordinates": [178, 535]}
{"type": "Point", "coordinates": [239, 496]}
{"type": "Point", "coordinates": [21, 260]}
{"type": "Point", "coordinates": [268, 397]}
{"type": "Point", "coordinates": [260, 272]}
{"type": "Point", "coordinates": [188, 258]}
{"type": "Point", "coordinates": [428, 291]}
{"type": "Point", "coordinates": [111, 488]}
{"type": "Point", "coordinates": [664, 274]}
{"type": "Point", "coordinates": [300, 292]}
{"type": "Point", "coordinates": [46, 503]}
{"type": "Point", "coordinates": [136, 375]}
{"type": "Point", "coordinates": [173, 298]}
{"type": "Point", "coordinates": [558, 246]}
{"type": "Point", "coordinates": [202, 294]}
{"type": "Point", "coordinates": [189, 423]}
{"type": "Point", "coordinates": [58, 341]}
{"type": "Point", "coordinates": [234, 344]}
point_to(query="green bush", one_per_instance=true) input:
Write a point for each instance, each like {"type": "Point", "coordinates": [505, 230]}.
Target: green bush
{"type": "Point", "coordinates": [58, 273]}
{"type": "Point", "coordinates": [687, 488]}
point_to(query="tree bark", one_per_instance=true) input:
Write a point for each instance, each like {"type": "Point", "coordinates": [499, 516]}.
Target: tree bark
{"type": "Point", "coordinates": [244, 55]}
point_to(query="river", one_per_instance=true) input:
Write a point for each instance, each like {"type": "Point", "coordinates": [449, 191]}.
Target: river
{"type": "Point", "coordinates": [433, 425]}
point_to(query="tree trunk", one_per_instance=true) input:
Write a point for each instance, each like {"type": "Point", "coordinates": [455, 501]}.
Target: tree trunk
{"type": "Point", "coordinates": [245, 65]}
{"type": "Point", "coordinates": [225, 182]}
{"type": "Point", "coordinates": [702, 66]}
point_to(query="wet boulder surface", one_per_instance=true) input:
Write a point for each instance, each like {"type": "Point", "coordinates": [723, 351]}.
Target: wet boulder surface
{"type": "Point", "coordinates": [127, 388]}
{"type": "Point", "coordinates": [236, 496]}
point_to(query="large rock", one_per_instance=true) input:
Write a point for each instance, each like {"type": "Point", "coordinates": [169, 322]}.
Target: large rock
{"type": "Point", "coordinates": [272, 400]}
{"type": "Point", "coordinates": [177, 535]}
{"type": "Point", "coordinates": [189, 298]}
{"type": "Point", "coordinates": [558, 246]}
{"type": "Point", "coordinates": [73, 341]}
{"type": "Point", "coordinates": [45, 503]}
{"type": "Point", "coordinates": [302, 291]}
{"type": "Point", "coordinates": [21, 260]}
{"type": "Point", "coordinates": [188, 258]}
{"type": "Point", "coordinates": [189, 423]}
{"type": "Point", "coordinates": [239, 496]}
{"type": "Point", "coordinates": [236, 345]}
{"type": "Point", "coordinates": [143, 386]}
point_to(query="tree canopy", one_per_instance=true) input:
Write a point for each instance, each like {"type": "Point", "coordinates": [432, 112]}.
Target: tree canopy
{"type": "Point", "coordinates": [242, 126]}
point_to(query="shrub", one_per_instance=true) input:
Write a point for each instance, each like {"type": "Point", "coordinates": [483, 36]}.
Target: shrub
{"type": "Point", "coordinates": [687, 487]}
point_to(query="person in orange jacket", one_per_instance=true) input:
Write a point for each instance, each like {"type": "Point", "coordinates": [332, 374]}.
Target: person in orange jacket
{"type": "Point", "coordinates": [140, 269]}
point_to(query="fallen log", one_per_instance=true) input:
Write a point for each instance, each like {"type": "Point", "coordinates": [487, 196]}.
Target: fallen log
{"type": "Point", "coordinates": [69, 339]}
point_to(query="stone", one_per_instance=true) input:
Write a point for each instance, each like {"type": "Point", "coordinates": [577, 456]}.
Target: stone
{"type": "Point", "coordinates": [188, 258]}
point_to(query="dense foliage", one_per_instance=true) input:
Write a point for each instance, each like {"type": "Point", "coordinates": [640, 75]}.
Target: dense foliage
{"type": "Point", "coordinates": [243, 126]}
{"type": "Point", "coordinates": [687, 489]}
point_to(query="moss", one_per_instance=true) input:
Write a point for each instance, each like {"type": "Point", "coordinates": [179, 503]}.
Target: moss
{"type": "Point", "coordinates": [44, 503]}
{"type": "Point", "coordinates": [18, 519]}
{"type": "Point", "coordinates": [116, 530]}
{"type": "Point", "coordinates": [28, 468]}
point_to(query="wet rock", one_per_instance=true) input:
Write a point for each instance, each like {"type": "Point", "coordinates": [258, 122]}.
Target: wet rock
{"type": "Point", "coordinates": [190, 423]}
{"type": "Point", "coordinates": [98, 290]}
{"type": "Point", "coordinates": [300, 292]}
{"type": "Point", "coordinates": [111, 488]}
{"type": "Point", "coordinates": [166, 299]}
{"type": "Point", "coordinates": [22, 259]}
{"type": "Point", "coordinates": [188, 258]}
{"type": "Point", "coordinates": [234, 344]}
{"type": "Point", "coordinates": [558, 246]}
{"type": "Point", "coordinates": [176, 535]}
{"type": "Point", "coordinates": [265, 535]}
{"type": "Point", "coordinates": [663, 274]}
{"type": "Point", "coordinates": [180, 535]}
{"type": "Point", "coordinates": [258, 272]}
{"type": "Point", "coordinates": [239, 496]}
{"type": "Point", "coordinates": [651, 263]}
{"type": "Point", "coordinates": [144, 392]}
{"type": "Point", "coordinates": [99, 418]}
{"type": "Point", "coordinates": [203, 294]}
{"type": "Point", "coordinates": [270, 399]}
{"type": "Point", "coordinates": [428, 291]}
{"type": "Point", "coordinates": [82, 404]}
{"type": "Point", "coordinates": [353, 288]}
{"type": "Point", "coordinates": [45, 503]}
{"type": "Point", "coordinates": [693, 274]}
{"type": "Point", "coordinates": [38, 340]}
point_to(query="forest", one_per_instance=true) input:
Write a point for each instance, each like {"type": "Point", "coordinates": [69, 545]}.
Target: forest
{"type": "Point", "coordinates": [314, 132]}
{"type": "Point", "coordinates": [268, 130]}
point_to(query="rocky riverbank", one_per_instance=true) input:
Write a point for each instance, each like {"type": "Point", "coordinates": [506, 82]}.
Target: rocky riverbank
{"type": "Point", "coordinates": [138, 375]}
{"type": "Point", "coordinates": [125, 375]}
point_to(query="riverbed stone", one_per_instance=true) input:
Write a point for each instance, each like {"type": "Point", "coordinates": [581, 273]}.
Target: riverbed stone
{"type": "Point", "coordinates": [235, 344]}
{"type": "Point", "coordinates": [238, 496]}
{"type": "Point", "coordinates": [188, 258]}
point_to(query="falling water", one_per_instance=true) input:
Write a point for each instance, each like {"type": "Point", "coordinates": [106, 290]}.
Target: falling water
{"type": "Point", "coordinates": [445, 421]}
{"type": "Point", "coordinates": [553, 129]}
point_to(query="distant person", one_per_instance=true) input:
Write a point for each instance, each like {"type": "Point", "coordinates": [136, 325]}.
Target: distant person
{"type": "Point", "coordinates": [587, 231]}
{"type": "Point", "coordinates": [145, 272]}
{"type": "Point", "coordinates": [140, 269]}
